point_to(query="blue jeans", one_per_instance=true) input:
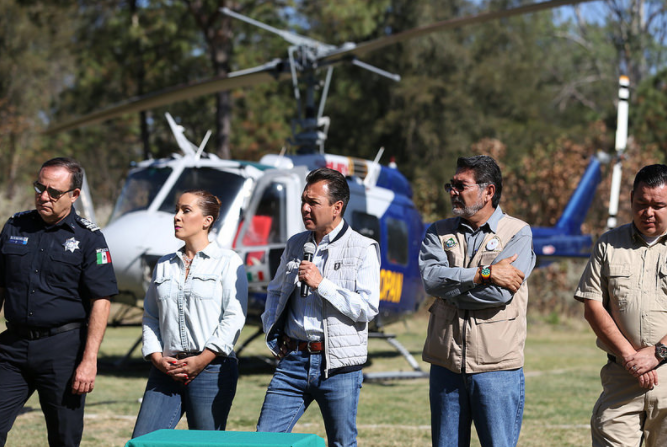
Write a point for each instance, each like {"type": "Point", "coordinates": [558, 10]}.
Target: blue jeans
{"type": "Point", "coordinates": [206, 400]}
{"type": "Point", "coordinates": [298, 380]}
{"type": "Point", "coordinates": [493, 400]}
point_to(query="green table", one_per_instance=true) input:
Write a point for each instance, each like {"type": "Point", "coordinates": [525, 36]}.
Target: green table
{"type": "Point", "coordinates": [204, 438]}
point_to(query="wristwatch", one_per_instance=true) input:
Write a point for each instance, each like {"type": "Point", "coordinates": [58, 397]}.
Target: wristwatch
{"type": "Point", "coordinates": [485, 273]}
{"type": "Point", "coordinates": [661, 352]}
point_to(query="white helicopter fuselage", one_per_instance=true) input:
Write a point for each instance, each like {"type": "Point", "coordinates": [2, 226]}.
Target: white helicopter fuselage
{"type": "Point", "coordinates": [141, 227]}
{"type": "Point", "coordinates": [260, 210]}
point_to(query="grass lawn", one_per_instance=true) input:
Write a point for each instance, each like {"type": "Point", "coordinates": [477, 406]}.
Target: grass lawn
{"type": "Point", "coordinates": [562, 384]}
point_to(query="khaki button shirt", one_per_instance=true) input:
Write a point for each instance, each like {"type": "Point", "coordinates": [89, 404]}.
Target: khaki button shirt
{"type": "Point", "coordinates": [630, 278]}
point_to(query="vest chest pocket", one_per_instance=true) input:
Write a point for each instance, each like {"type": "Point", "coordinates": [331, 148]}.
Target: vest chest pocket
{"type": "Point", "coordinates": [620, 285]}
{"type": "Point", "coordinates": [487, 257]}
{"type": "Point", "coordinates": [203, 286]}
{"type": "Point", "coordinates": [344, 269]}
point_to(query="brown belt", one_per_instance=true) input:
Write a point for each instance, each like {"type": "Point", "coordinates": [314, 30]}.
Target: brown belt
{"type": "Point", "coordinates": [313, 347]}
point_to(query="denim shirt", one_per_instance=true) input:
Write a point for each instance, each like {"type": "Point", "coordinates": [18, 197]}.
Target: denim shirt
{"type": "Point", "coordinates": [205, 310]}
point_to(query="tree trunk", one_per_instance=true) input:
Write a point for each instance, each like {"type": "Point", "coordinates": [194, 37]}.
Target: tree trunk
{"type": "Point", "coordinates": [217, 31]}
{"type": "Point", "coordinates": [141, 78]}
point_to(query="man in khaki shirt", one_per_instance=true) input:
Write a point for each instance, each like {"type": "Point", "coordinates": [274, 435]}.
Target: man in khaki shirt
{"type": "Point", "coordinates": [624, 291]}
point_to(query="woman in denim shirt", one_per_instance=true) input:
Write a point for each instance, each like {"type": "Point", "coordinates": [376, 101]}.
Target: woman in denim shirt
{"type": "Point", "coordinates": [194, 310]}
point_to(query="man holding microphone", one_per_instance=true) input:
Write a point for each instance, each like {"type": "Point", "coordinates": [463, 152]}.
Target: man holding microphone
{"type": "Point", "coordinates": [319, 330]}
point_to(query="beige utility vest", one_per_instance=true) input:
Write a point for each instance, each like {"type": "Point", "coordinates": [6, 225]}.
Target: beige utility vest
{"type": "Point", "coordinates": [475, 341]}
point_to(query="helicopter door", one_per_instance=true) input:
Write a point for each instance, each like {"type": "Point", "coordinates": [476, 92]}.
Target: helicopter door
{"type": "Point", "coordinates": [272, 217]}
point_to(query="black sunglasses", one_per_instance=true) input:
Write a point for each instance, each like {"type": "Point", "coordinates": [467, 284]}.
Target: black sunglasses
{"type": "Point", "coordinates": [53, 193]}
{"type": "Point", "coordinates": [458, 186]}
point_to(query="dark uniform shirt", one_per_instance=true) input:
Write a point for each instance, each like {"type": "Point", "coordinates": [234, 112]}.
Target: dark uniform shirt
{"type": "Point", "coordinates": [51, 272]}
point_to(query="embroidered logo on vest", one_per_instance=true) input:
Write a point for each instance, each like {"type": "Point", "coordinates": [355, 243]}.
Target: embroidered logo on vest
{"type": "Point", "coordinates": [451, 243]}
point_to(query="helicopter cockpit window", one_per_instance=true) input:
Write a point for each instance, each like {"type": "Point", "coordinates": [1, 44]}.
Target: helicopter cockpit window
{"type": "Point", "coordinates": [397, 241]}
{"type": "Point", "coordinates": [366, 224]}
{"type": "Point", "coordinates": [139, 190]}
{"type": "Point", "coordinates": [224, 185]}
{"type": "Point", "coordinates": [267, 224]}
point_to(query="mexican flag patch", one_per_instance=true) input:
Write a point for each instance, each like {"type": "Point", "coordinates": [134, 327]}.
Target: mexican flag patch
{"type": "Point", "coordinates": [103, 256]}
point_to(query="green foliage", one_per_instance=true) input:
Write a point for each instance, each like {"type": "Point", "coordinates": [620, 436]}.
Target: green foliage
{"type": "Point", "coordinates": [34, 55]}
{"type": "Point", "coordinates": [650, 115]}
{"type": "Point", "coordinates": [537, 85]}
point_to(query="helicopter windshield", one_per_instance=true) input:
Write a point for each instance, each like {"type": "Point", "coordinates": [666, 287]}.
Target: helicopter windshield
{"type": "Point", "coordinates": [142, 187]}
{"type": "Point", "coordinates": [224, 185]}
{"type": "Point", "coordinates": [139, 190]}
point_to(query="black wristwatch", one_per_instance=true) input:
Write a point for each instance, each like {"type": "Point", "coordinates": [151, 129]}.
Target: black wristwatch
{"type": "Point", "coordinates": [661, 352]}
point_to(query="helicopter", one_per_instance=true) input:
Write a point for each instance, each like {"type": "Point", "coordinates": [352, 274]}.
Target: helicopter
{"type": "Point", "coordinates": [261, 200]}
{"type": "Point", "coordinates": [260, 205]}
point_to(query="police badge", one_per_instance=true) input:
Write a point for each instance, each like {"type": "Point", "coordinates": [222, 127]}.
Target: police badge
{"type": "Point", "coordinates": [71, 244]}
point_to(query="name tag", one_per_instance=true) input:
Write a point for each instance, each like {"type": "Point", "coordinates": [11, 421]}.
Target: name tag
{"type": "Point", "coordinates": [18, 240]}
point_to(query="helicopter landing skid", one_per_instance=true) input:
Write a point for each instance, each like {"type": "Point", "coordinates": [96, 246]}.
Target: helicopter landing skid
{"type": "Point", "coordinates": [416, 373]}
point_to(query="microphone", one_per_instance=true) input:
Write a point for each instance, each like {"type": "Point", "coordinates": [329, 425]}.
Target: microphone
{"type": "Point", "coordinates": [308, 252]}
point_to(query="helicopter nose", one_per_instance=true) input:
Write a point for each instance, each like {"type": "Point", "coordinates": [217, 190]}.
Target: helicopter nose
{"type": "Point", "coordinates": [135, 236]}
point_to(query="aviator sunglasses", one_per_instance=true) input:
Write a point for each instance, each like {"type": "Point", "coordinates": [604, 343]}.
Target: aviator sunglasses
{"type": "Point", "coordinates": [460, 186]}
{"type": "Point", "coordinates": [53, 193]}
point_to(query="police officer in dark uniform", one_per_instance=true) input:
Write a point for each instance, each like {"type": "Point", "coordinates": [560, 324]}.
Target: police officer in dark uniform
{"type": "Point", "coordinates": [56, 279]}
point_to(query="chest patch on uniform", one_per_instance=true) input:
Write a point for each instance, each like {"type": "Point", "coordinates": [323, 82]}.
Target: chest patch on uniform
{"type": "Point", "coordinates": [493, 244]}
{"type": "Point", "coordinates": [71, 244]}
{"type": "Point", "coordinates": [18, 240]}
{"type": "Point", "coordinates": [103, 256]}
{"type": "Point", "coordinates": [337, 266]}
{"type": "Point", "coordinates": [451, 243]}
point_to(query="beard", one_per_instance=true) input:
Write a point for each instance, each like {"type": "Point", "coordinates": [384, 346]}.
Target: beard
{"type": "Point", "coordinates": [466, 211]}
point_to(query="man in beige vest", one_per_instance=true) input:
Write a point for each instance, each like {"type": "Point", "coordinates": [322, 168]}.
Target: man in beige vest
{"type": "Point", "coordinates": [624, 291]}
{"type": "Point", "coordinates": [476, 264]}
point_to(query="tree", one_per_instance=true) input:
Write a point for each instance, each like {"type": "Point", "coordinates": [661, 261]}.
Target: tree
{"type": "Point", "coordinates": [649, 112]}
{"type": "Point", "coordinates": [34, 54]}
{"type": "Point", "coordinates": [217, 30]}
{"type": "Point", "coordinates": [122, 51]}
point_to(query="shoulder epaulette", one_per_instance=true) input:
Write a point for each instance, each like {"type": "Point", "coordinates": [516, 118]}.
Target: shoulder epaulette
{"type": "Point", "coordinates": [21, 213]}
{"type": "Point", "coordinates": [87, 224]}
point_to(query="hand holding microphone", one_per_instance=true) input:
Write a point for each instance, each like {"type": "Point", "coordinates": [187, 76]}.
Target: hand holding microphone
{"type": "Point", "coordinates": [308, 252]}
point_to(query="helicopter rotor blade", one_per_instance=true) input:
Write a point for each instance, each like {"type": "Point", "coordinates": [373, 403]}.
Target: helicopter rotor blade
{"type": "Point", "coordinates": [290, 37]}
{"type": "Point", "coordinates": [272, 71]}
{"type": "Point", "coordinates": [351, 49]}
{"type": "Point", "coordinates": [277, 69]}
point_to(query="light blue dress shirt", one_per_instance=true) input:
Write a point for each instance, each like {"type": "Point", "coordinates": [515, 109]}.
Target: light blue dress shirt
{"type": "Point", "coordinates": [205, 310]}
{"type": "Point", "coordinates": [455, 284]}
